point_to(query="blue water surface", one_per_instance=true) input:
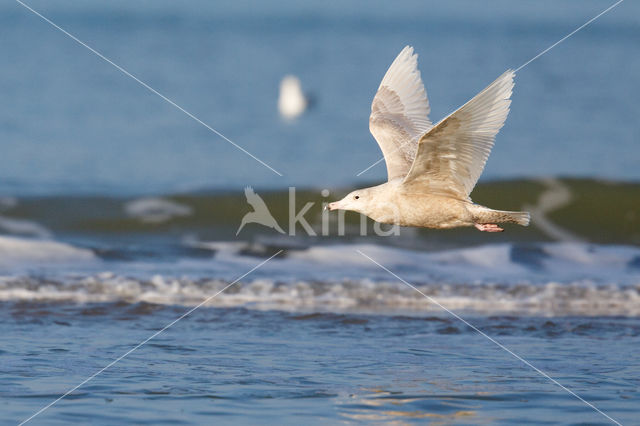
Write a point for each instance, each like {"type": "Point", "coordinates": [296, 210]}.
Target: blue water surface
{"type": "Point", "coordinates": [237, 366]}
{"type": "Point", "coordinates": [70, 122]}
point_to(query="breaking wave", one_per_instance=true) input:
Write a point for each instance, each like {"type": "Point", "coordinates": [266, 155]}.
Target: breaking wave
{"type": "Point", "coordinates": [570, 210]}
{"type": "Point", "coordinates": [553, 299]}
{"type": "Point", "coordinates": [579, 256]}
{"type": "Point", "coordinates": [538, 279]}
{"type": "Point", "coordinates": [16, 251]}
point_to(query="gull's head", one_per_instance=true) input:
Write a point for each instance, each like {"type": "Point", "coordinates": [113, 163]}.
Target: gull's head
{"type": "Point", "coordinates": [356, 201]}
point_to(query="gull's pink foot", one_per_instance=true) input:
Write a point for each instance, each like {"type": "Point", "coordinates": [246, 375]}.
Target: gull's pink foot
{"type": "Point", "coordinates": [488, 227]}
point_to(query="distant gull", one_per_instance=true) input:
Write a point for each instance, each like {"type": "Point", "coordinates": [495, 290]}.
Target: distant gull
{"type": "Point", "coordinates": [292, 101]}
{"type": "Point", "coordinates": [432, 169]}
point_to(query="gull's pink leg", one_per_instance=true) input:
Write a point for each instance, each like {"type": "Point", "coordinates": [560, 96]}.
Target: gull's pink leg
{"type": "Point", "coordinates": [488, 227]}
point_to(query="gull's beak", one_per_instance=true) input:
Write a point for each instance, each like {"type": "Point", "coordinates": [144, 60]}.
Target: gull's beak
{"type": "Point", "coordinates": [331, 206]}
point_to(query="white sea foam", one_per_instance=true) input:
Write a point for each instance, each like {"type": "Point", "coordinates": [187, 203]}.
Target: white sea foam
{"type": "Point", "coordinates": [548, 279]}
{"type": "Point", "coordinates": [16, 251]}
{"type": "Point", "coordinates": [499, 263]}
{"type": "Point", "coordinates": [580, 298]}
{"type": "Point", "coordinates": [23, 227]}
{"type": "Point", "coordinates": [156, 210]}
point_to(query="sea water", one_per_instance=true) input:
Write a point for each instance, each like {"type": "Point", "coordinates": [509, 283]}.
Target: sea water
{"type": "Point", "coordinates": [118, 215]}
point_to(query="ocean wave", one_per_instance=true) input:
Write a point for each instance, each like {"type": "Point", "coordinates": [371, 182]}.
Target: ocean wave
{"type": "Point", "coordinates": [155, 210]}
{"type": "Point", "coordinates": [386, 297]}
{"type": "Point", "coordinates": [504, 263]}
{"type": "Point", "coordinates": [537, 279]}
{"type": "Point", "coordinates": [182, 268]}
{"type": "Point", "coordinates": [7, 203]}
{"type": "Point", "coordinates": [16, 251]}
{"type": "Point", "coordinates": [568, 210]}
{"type": "Point", "coordinates": [23, 227]}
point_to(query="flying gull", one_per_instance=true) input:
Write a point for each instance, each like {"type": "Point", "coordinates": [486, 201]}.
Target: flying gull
{"type": "Point", "coordinates": [431, 169]}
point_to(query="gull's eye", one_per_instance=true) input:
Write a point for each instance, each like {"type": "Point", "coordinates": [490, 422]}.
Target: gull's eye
{"type": "Point", "coordinates": [356, 197]}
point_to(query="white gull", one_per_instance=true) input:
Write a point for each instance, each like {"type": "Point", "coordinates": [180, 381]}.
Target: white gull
{"type": "Point", "coordinates": [432, 169]}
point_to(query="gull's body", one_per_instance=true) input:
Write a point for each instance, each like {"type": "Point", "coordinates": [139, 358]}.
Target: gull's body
{"type": "Point", "coordinates": [432, 169]}
{"type": "Point", "coordinates": [291, 101]}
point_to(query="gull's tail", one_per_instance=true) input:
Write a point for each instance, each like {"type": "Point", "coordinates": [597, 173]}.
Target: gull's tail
{"type": "Point", "coordinates": [521, 218]}
{"type": "Point", "coordinates": [483, 214]}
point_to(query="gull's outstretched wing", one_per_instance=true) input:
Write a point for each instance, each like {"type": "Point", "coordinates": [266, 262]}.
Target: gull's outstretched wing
{"type": "Point", "coordinates": [400, 113]}
{"type": "Point", "coordinates": [452, 155]}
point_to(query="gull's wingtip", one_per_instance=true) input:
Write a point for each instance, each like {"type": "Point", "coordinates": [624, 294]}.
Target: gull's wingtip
{"type": "Point", "coordinates": [504, 84]}
{"type": "Point", "coordinates": [407, 52]}
{"type": "Point", "coordinates": [511, 74]}
{"type": "Point", "coordinates": [408, 48]}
